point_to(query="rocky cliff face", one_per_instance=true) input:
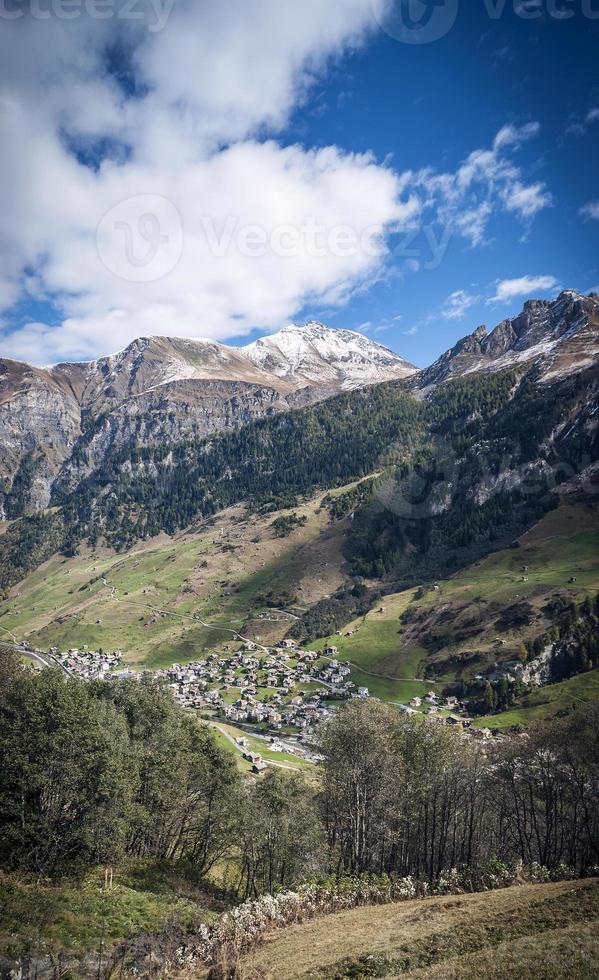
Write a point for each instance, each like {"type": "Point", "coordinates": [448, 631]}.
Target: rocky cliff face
{"type": "Point", "coordinates": [58, 424]}
{"type": "Point", "coordinates": [169, 414]}
{"type": "Point", "coordinates": [553, 338]}
{"type": "Point", "coordinates": [39, 427]}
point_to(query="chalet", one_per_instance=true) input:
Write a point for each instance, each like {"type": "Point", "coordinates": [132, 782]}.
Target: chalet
{"type": "Point", "coordinates": [234, 714]}
{"type": "Point", "coordinates": [257, 714]}
{"type": "Point", "coordinates": [455, 720]}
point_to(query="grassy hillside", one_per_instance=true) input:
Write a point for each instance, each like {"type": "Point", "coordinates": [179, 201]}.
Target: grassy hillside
{"type": "Point", "coordinates": [373, 643]}
{"type": "Point", "coordinates": [546, 702]}
{"type": "Point", "coordinates": [233, 572]}
{"type": "Point", "coordinates": [75, 917]}
{"type": "Point", "coordinates": [475, 618]}
{"type": "Point", "coordinates": [542, 931]}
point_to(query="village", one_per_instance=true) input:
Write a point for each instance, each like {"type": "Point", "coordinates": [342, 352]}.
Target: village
{"type": "Point", "coordinates": [280, 691]}
{"type": "Point", "coordinates": [282, 688]}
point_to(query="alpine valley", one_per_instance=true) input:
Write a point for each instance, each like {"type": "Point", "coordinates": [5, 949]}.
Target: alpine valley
{"type": "Point", "coordinates": [437, 530]}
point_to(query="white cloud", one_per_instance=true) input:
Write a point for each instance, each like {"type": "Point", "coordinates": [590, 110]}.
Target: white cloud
{"type": "Point", "coordinates": [411, 332]}
{"type": "Point", "coordinates": [578, 125]}
{"type": "Point", "coordinates": [457, 304]}
{"type": "Point", "coordinates": [99, 115]}
{"type": "Point", "coordinates": [590, 210]}
{"type": "Point", "coordinates": [189, 129]}
{"type": "Point", "coordinates": [508, 289]}
{"type": "Point", "coordinates": [515, 135]}
{"type": "Point", "coordinates": [487, 181]}
{"type": "Point", "coordinates": [526, 201]}
{"type": "Point", "coordinates": [234, 271]}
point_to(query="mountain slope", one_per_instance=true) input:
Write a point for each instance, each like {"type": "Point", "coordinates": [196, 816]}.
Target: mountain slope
{"type": "Point", "coordinates": [161, 389]}
{"type": "Point", "coordinates": [462, 472]}
{"type": "Point", "coordinates": [134, 444]}
{"type": "Point", "coordinates": [59, 425]}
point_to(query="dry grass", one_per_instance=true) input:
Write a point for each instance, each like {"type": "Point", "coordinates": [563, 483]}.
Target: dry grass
{"type": "Point", "coordinates": [530, 931]}
{"type": "Point", "coordinates": [571, 953]}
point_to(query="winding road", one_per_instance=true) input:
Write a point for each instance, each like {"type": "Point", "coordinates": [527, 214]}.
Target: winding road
{"type": "Point", "coordinates": [45, 659]}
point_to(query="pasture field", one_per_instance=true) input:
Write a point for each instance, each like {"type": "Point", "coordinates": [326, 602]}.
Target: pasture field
{"type": "Point", "coordinates": [541, 931]}
{"type": "Point", "coordinates": [227, 734]}
{"type": "Point", "coordinates": [232, 572]}
{"type": "Point", "coordinates": [422, 638]}
{"type": "Point", "coordinates": [545, 702]}
{"type": "Point", "coordinates": [173, 600]}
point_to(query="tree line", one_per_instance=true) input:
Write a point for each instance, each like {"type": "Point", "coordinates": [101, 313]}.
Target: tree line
{"type": "Point", "coordinates": [96, 772]}
{"type": "Point", "coordinates": [434, 507]}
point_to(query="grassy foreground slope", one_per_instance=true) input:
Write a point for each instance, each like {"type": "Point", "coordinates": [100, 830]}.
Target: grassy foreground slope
{"type": "Point", "coordinates": [478, 616]}
{"type": "Point", "coordinates": [76, 917]}
{"type": "Point", "coordinates": [541, 931]}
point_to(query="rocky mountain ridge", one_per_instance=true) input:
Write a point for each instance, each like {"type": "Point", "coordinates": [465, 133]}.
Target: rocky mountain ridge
{"type": "Point", "coordinates": [161, 389]}
{"type": "Point", "coordinates": [552, 337]}
{"type": "Point", "coordinates": [58, 424]}
{"type": "Point", "coordinates": [315, 354]}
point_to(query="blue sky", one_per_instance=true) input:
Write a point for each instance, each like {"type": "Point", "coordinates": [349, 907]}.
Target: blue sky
{"type": "Point", "coordinates": [270, 119]}
{"type": "Point", "coordinates": [431, 105]}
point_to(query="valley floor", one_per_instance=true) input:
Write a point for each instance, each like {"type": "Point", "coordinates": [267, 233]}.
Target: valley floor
{"type": "Point", "coordinates": [180, 599]}
{"type": "Point", "coordinates": [532, 931]}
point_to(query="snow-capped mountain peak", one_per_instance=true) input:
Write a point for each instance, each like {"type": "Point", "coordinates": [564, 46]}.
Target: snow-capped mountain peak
{"type": "Point", "coordinates": [314, 353]}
